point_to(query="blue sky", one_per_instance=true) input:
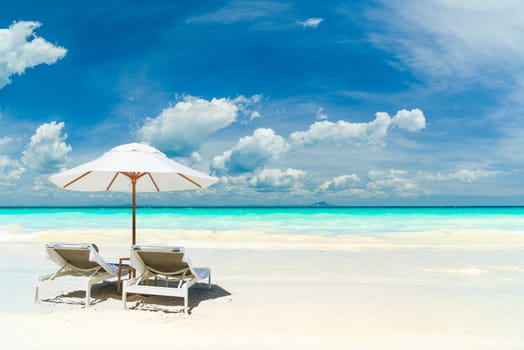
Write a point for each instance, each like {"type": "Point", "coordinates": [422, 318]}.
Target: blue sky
{"type": "Point", "coordinates": [287, 102]}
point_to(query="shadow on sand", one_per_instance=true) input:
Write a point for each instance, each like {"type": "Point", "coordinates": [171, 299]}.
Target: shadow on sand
{"type": "Point", "coordinates": [197, 294]}
{"type": "Point", "coordinates": [107, 291]}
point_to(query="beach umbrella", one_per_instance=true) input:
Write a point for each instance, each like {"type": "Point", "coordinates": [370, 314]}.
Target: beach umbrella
{"type": "Point", "coordinates": [132, 168]}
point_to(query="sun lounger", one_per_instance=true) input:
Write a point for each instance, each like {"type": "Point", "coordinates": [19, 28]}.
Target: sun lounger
{"type": "Point", "coordinates": [168, 263]}
{"type": "Point", "coordinates": [80, 268]}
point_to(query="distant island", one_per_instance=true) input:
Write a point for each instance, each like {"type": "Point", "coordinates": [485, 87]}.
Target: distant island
{"type": "Point", "coordinates": [321, 204]}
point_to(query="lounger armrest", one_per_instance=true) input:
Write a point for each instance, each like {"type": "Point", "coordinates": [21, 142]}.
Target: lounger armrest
{"type": "Point", "coordinates": [157, 248]}
{"type": "Point", "coordinates": [56, 245]}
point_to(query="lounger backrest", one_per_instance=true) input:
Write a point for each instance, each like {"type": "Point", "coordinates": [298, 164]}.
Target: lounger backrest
{"type": "Point", "coordinates": [167, 262]}
{"type": "Point", "coordinates": [77, 257]}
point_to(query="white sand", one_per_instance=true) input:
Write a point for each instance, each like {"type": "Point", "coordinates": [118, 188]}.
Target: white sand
{"type": "Point", "coordinates": [395, 298]}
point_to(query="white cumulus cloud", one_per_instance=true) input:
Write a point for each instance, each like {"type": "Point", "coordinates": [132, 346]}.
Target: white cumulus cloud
{"type": "Point", "coordinates": [277, 179]}
{"type": "Point", "coordinates": [10, 171]}
{"type": "Point", "coordinates": [339, 183]}
{"type": "Point", "coordinates": [312, 22]}
{"type": "Point", "coordinates": [413, 120]}
{"type": "Point", "coordinates": [372, 132]}
{"type": "Point", "coordinates": [47, 150]}
{"type": "Point", "coordinates": [402, 184]}
{"type": "Point", "coordinates": [392, 182]}
{"type": "Point", "coordinates": [375, 184]}
{"type": "Point", "coordinates": [251, 152]}
{"type": "Point", "coordinates": [467, 175]}
{"type": "Point", "coordinates": [181, 129]}
{"type": "Point", "coordinates": [266, 180]}
{"type": "Point", "coordinates": [21, 48]}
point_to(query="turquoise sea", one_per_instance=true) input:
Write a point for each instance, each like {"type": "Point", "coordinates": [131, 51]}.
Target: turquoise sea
{"type": "Point", "coordinates": [328, 221]}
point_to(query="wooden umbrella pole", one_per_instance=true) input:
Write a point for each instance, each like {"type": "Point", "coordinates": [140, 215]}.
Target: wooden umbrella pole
{"type": "Point", "coordinates": [134, 177]}
{"type": "Point", "coordinates": [133, 182]}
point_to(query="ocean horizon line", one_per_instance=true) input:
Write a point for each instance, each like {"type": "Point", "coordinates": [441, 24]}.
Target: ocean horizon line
{"type": "Point", "coordinates": [259, 206]}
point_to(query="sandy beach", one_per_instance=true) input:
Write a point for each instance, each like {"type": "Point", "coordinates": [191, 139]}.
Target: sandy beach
{"type": "Point", "coordinates": [352, 173]}
{"type": "Point", "coordinates": [291, 296]}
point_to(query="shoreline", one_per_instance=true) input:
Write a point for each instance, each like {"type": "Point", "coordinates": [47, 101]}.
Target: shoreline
{"type": "Point", "coordinates": [458, 240]}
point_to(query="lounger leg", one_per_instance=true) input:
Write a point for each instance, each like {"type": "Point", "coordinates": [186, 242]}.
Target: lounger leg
{"type": "Point", "coordinates": [88, 294]}
{"type": "Point", "coordinates": [124, 297]}
{"type": "Point", "coordinates": [37, 290]}
{"type": "Point", "coordinates": [209, 280]}
{"type": "Point", "coordinates": [186, 297]}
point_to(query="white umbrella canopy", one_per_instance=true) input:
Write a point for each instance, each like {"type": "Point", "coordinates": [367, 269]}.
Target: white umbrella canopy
{"type": "Point", "coordinates": [132, 167]}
